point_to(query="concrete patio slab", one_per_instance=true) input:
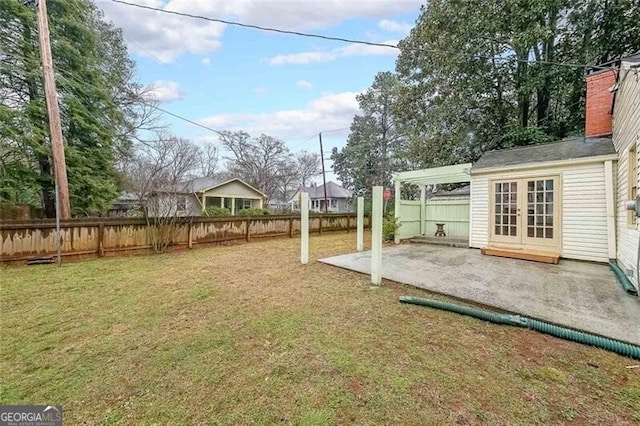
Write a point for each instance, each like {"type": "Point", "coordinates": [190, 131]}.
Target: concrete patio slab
{"type": "Point", "coordinates": [581, 295]}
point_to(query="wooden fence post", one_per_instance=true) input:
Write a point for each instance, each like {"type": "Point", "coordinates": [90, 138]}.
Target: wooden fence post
{"type": "Point", "coordinates": [290, 227]}
{"type": "Point", "coordinates": [101, 239]}
{"type": "Point", "coordinates": [190, 235]}
{"type": "Point", "coordinates": [247, 231]}
{"type": "Point", "coordinates": [320, 225]}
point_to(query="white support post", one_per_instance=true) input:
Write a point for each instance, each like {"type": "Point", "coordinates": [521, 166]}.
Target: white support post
{"type": "Point", "coordinates": [423, 210]}
{"type": "Point", "coordinates": [376, 236]}
{"type": "Point", "coordinates": [397, 197]}
{"type": "Point", "coordinates": [611, 208]}
{"type": "Point", "coordinates": [304, 228]}
{"type": "Point", "coordinates": [360, 225]}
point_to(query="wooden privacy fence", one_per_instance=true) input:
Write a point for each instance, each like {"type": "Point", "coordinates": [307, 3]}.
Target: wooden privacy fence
{"type": "Point", "coordinates": [102, 236]}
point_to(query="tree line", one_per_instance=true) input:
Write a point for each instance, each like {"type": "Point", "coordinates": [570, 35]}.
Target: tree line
{"type": "Point", "coordinates": [479, 75]}
{"type": "Point", "coordinates": [114, 138]}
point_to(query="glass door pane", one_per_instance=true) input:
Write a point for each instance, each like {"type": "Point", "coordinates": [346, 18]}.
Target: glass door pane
{"type": "Point", "coordinates": [540, 208]}
{"type": "Point", "coordinates": [506, 209]}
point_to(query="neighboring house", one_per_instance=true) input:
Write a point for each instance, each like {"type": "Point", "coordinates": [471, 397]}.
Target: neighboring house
{"type": "Point", "coordinates": [463, 193]}
{"type": "Point", "coordinates": [195, 196]}
{"type": "Point", "coordinates": [125, 205]}
{"type": "Point", "coordinates": [278, 205]}
{"type": "Point", "coordinates": [338, 199]}
{"type": "Point", "coordinates": [569, 197]}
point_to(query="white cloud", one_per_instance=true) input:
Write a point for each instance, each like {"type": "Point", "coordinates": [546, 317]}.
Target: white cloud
{"type": "Point", "coordinates": [295, 14]}
{"type": "Point", "coordinates": [165, 91]}
{"type": "Point", "coordinates": [329, 111]}
{"type": "Point", "coordinates": [395, 26]}
{"type": "Point", "coordinates": [206, 61]}
{"type": "Point", "coordinates": [166, 37]}
{"type": "Point", "coordinates": [304, 84]}
{"type": "Point", "coordinates": [353, 49]}
{"type": "Point", "coordinates": [163, 36]}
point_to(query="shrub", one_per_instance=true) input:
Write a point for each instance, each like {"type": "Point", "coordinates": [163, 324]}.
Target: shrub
{"type": "Point", "coordinates": [218, 211]}
{"type": "Point", "coordinates": [390, 226]}
{"type": "Point", "coordinates": [253, 212]}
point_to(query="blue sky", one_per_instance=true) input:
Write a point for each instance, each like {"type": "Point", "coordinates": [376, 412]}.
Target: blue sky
{"type": "Point", "coordinates": [232, 78]}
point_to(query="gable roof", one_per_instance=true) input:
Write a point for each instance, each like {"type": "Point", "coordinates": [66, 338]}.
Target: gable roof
{"type": "Point", "coordinates": [204, 184]}
{"type": "Point", "coordinates": [568, 149]}
{"type": "Point", "coordinates": [333, 191]}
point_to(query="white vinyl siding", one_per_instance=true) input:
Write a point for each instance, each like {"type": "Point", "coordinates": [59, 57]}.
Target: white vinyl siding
{"type": "Point", "coordinates": [479, 226]}
{"type": "Point", "coordinates": [626, 133]}
{"type": "Point", "coordinates": [583, 217]}
{"type": "Point", "coordinates": [584, 214]}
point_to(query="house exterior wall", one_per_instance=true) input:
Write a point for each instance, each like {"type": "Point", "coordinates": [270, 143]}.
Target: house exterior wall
{"type": "Point", "coordinates": [479, 208]}
{"type": "Point", "coordinates": [317, 205]}
{"type": "Point", "coordinates": [164, 205]}
{"type": "Point", "coordinates": [344, 206]}
{"type": "Point", "coordinates": [626, 134]}
{"type": "Point", "coordinates": [194, 208]}
{"type": "Point", "coordinates": [583, 211]}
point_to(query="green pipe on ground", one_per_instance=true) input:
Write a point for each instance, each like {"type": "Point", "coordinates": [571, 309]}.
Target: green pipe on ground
{"type": "Point", "coordinates": [624, 281]}
{"type": "Point", "coordinates": [613, 345]}
{"type": "Point", "coordinates": [466, 310]}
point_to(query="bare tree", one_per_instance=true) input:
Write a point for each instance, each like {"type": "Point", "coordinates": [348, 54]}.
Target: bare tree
{"type": "Point", "coordinates": [209, 159]}
{"type": "Point", "coordinates": [308, 164]}
{"type": "Point", "coordinates": [262, 161]}
{"type": "Point", "coordinates": [155, 174]}
{"type": "Point", "coordinates": [289, 182]}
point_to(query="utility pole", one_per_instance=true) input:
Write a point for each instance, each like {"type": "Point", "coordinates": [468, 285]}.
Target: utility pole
{"type": "Point", "coordinates": [324, 175]}
{"type": "Point", "coordinates": [55, 129]}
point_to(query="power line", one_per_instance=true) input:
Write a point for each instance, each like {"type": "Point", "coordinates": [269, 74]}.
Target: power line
{"type": "Point", "coordinates": [148, 52]}
{"type": "Point", "coordinates": [219, 133]}
{"type": "Point", "coordinates": [173, 114]}
{"type": "Point", "coordinates": [335, 130]}
{"type": "Point", "coordinates": [304, 141]}
{"type": "Point", "coordinates": [315, 135]}
{"type": "Point", "coordinates": [354, 41]}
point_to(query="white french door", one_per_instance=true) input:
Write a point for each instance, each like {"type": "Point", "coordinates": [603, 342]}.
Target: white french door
{"type": "Point", "coordinates": [526, 212]}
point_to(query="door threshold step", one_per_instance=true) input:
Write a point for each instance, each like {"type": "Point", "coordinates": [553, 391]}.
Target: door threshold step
{"type": "Point", "coordinates": [523, 254]}
{"type": "Point", "coordinates": [441, 241]}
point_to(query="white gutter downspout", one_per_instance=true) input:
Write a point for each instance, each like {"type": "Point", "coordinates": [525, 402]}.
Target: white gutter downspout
{"type": "Point", "coordinates": [611, 209]}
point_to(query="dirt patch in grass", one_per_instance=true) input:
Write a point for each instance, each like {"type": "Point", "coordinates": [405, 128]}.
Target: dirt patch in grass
{"type": "Point", "coordinates": [245, 334]}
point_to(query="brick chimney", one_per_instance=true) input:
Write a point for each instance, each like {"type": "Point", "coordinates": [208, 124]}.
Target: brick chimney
{"type": "Point", "coordinates": [599, 108]}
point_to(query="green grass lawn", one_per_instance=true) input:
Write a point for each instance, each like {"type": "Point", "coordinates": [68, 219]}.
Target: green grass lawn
{"type": "Point", "coordinates": [245, 334]}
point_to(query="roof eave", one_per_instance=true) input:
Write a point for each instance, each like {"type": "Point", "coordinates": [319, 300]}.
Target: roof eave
{"type": "Point", "coordinates": [555, 163]}
{"type": "Point", "coordinates": [229, 181]}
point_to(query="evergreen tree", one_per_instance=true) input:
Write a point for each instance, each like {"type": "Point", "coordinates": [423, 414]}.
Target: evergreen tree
{"type": "Point", "coordinates": [376, 142]}
{"type": "Point", "coordinates": [101, 108]}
